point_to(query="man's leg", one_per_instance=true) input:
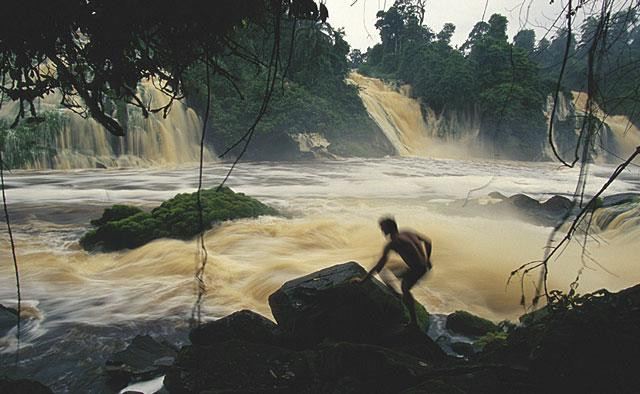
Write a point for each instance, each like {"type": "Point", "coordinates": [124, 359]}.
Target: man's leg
{"type": "Point", "coordinates": [389, 279]}
{"type": "Point", "coordinates": [408, 281]}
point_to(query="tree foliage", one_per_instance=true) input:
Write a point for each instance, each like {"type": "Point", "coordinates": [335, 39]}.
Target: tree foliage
{"type": "Point", "coordinates": [487, 74]}
{"type": "Point", "coordinates": [616, 74]}
{"type": "Point", "coordinates": [311, 95]}
{"type": "Point", "coordinates": [97, 50]}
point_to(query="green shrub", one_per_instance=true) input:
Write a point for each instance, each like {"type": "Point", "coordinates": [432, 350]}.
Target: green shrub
{"type": "Point", "coordinates": [467, 324]}
{"type": "Point", "coordinates": [114, 213]}
{"type": "Point", "coordinates": [493, 338]}
{"type": "Point", "coordinates": [126, 227]}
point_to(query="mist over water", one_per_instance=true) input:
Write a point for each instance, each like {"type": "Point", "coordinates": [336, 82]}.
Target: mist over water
{"type": "Point", "coordinates": [89, 305]}
{"type": "Point", "coordinates": [332, 210]}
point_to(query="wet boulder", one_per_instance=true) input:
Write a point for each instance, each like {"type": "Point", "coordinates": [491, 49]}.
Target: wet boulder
{"type": "Point", "coordinates": [8, 319]}
{"type": "Point", "coordinates": [463, 348]}
{"type": "Point", "coordinates": [326, 304]}
{"type": "Point", "coordinates": [144, 358]}
{"type": "Point", "coordinates": [22, 386]}
{"type": "Point", "coordinates": [468, 324]}
{"type": "Point", "coordinates": [591, 346]}
{"type": "Point", "coordinates": [557, 205]}
{"type": "Point", "coordinates": [240, 367]}
{"type": "Point", "coordinates": [620, 198]}
{"type": "Point", "coordinates": [473, 378]}
{"type": "Point", "coordinates": [242, 325]}
{"type": "Point", "coordinates": [523, 202]}
{"type": "Point", "coordinates": [548, 213]}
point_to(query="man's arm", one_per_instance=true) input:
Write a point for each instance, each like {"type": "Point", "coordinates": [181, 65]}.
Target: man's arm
{"type": "Point", "coordinates": [427, 244]}
{"type": "Point", "coordinates": [383, 260]}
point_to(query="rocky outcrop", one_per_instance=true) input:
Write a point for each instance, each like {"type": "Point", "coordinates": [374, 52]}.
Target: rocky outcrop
{"type": "Point", "coordinates": [578, 344]}
{"type": "Point", "coordinates": [582, 343]}
{"type": "Point", "coordinates": [331, 334]}
{"type": "Point", "coordinates": [244, 325]}
{"type": "Point", "coordinates": [465, 323]}
{"type": "Point", "coordinates": [325, 304]}
{"type": "Point", "coordinates": [22, 386]}
{"type": "Point", "coordinates": [547, 213]}
{"type": "Point", "coordinates": [143, 359]}
{"type": "Point", "coordinates": [126, 227]}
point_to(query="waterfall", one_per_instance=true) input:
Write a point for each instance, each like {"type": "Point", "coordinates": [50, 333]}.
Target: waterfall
{"type": "Point", "coordinates": [398, 115]}
{"type": "Point", "coordinates": [76, 142]}
{"type": "Point", "coordinates": [412, 132]}
{"type": "Point", "coordinates": [618, 136]}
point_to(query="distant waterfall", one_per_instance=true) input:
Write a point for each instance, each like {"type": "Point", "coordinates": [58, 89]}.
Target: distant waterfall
{"type": "Point", "coordinates": [76, 142]}
{"type": "Point", "coordinates": [619, 134]}
{"type": "Point", "coordinates": [398, 115]}
{"type": "Point", "coordinates": [616, 136]}
{"type": "Point", "coordinates": [410, 131]}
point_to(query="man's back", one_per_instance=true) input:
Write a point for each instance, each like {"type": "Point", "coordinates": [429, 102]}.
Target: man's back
{"type": "Point", "coordinates": [408, 245]}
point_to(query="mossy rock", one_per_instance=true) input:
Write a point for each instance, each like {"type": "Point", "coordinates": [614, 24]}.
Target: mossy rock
{"type": "Point", "coordinates": [423, 317]}
{"type": "Point", "coordinates": [535, 316]}
{"type": "Point", "coordinates": [495, 338]}
{"type": "Point", "coordinates": [467, 324]}
{"type": "Point", "coordinates": [463, 348]}
{"type": "Point", "coordinates": [126, 227]}
{"type": "Point", "coordinates": [116, 212]}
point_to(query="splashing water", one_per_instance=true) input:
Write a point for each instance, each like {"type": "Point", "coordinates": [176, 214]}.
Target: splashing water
{"type": "Point", "coordinates": [155, 140]}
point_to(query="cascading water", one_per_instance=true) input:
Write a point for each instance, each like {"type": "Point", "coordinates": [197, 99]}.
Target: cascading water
{"type": "Point", "coordinates": [398, 115]}
{"type": "Point", "coordinates": [412, 132]}
{"type": "Point", "coordinates": [617, 137]}
{"type": "Point", "coordinates": [75, 142]}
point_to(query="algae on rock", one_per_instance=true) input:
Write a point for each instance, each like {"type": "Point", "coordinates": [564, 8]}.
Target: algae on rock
{"type": "Point", "coordinates": [126, 227]}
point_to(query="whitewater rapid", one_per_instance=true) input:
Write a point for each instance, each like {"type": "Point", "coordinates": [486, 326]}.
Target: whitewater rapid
{"type": "Point", "coordinates": [92, 303]}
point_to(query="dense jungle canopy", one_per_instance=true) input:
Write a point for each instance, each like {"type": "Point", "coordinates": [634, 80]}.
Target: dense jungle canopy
{"type": "Point", "coordinates": [93, 50]}
{"type": "Point", "coordinates": [508, 81]}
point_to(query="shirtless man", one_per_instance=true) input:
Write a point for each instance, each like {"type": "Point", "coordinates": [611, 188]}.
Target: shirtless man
{"type": "Point", "coordinates": [409, 245]}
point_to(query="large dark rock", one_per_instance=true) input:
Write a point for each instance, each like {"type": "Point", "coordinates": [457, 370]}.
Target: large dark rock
{"type": "Point", "coordinates": [242, 325]}
{"type": "Point", "coordinates": [144, 358]}
{"type": "Point", "coordinates": [244, 367]}
{"type": "Point", "coordinates": [479, 379]}
{"type": "Point", "coordinates": [463, 348]}
{"type": "Point", "coordinates": [325, 304]}
{"type": "Point", "coordinates": [22, 386]}
{"type": "Point", "coordinates": [590, 347]}
{"type": "Point", "coordinates": [8, 319]}
{"type": "Point", "coordinates": [620, 198]}
{"type": "Point", "coordinates": [549, 213]}
{"type": "Point", "coordinates": [557, 205]}
{"type": "Point", "coordinates": [125, 227]}
{"type": "Point", "coordinates": [524, 202]}
{"type": "Point", "coordinates": [466, 323]}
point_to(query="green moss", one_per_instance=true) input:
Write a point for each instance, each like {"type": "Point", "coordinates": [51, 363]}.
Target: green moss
{"type": "Point", "coordinates": [126, 227]}
{"type": "Point", "coordinates": [467, 324]}
{"type": "Point", "coordinates": [495, 338]}
{"type": "Point", "coordinates": [599, 202]}
{"type": "Point", "coordinates": [116, 212]}
{"type": "Point", "coordinates": [535, 316]}
{"type": "Point", "coordinates": [423, 317]}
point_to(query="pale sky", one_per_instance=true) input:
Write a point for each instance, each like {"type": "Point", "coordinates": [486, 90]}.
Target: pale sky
{"type": "Point", "coordinates": [359, 20]}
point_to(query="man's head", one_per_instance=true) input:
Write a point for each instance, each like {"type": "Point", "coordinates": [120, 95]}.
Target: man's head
{"type": "Point", "coordinates": [388, 225]}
